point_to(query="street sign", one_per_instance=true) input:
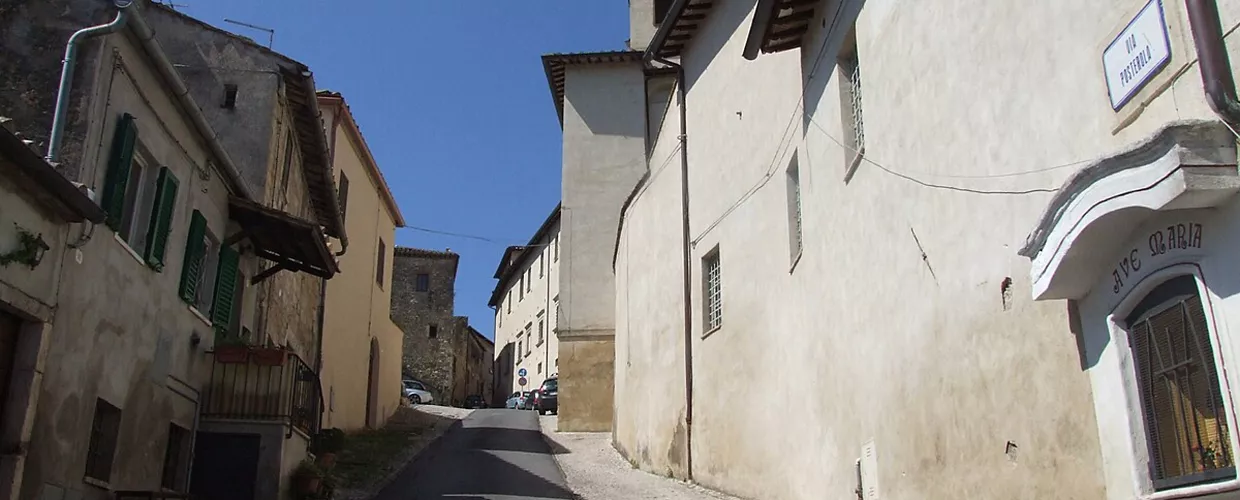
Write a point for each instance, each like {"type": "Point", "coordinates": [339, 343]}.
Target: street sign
{"type": "Point", "coordinates": [522, 381]}
{"type": "Point", "coordinates": [521, 373]}
{"type": "Point", "coordinates": [1133, 57]}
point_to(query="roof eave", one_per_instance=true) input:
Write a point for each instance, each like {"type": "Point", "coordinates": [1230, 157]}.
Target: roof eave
{"type": "Point", "coordinates": [327, 206]}
{"type": "Point", "coordinates": [368, 159]}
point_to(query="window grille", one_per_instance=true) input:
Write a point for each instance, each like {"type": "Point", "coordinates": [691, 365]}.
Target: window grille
{"type": "Point", "coordinates": [1185, 421]}
{"type": "Point", "coordinates": [714, 297]}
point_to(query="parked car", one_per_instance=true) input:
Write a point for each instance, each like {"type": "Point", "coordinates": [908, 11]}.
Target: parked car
{"type": "Point", "coordinates": [545, 396]}
{"type": "Point", "coordinates": [474, 401]}
{"type": "Point", "coordinates": [417, 393]}
{"type": "Point", "coordinates": [517, 400]}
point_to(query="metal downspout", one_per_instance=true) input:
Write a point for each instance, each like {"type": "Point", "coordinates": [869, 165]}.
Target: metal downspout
{"type": "Point", "coordinates": [1216, 77]}
{"type": "Point", "coordinates": [57, 135]}
{"type": "Point", "coordinates": [318, 355]}
{"type": "Point", "coordinates": [686, 261]}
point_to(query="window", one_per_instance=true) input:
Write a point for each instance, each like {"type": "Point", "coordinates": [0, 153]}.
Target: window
{"type": "Point", "coordinates": [343, 195]}
{"type": "Point", "coordinates": [529, 327]}
{"type": "Point", "coordinates": [209, 276]}
{"type": "Point", "coordinates": [1181, 400]}
{"type": "Point", "coordinates": [102, 447]}
{"type": "Point", "coordinates": [509, 301]}
{"type": "Point", "coordinates": [660, 10]}
{"type": "Point", "coordinates": [432, 331]}
{"type": "Point", "coordinates": [850, 102]}
{"type": "Point", "coordinates": [230, 96]}
{"type": "Point", "coordinates": [380, 266]}
{"type": "Point", "coordinates": [519, 345]}
{"type": "Point", "coordinates": [176, 458]}
{"type": "Point", "coordinates": [794, 208]}
{"type": "Point", "coordinates": [138, 195]}
{"type": "Point", "coordinates": [541, 266]}
{"type": "Point", "coordinates": [540, 368]}
{"type": "Point", "coordinates": [713, 290]}
{"type": "Point", "coordinates": [529, 279]}
{"type": "Point", "coordinates": [288, 164]}
{"type": "Point", "coordinates": [555, 248]}
{"type": "Point", "coordinates": [521, 287]}
{"type": "Point", "coordinates": [422, 283]}
{"type": "Point", "coordinates": [541, 328]}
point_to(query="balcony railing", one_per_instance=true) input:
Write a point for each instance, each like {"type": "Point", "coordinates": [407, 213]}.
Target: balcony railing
{"type": "Point", "coordinates": [264, 385]}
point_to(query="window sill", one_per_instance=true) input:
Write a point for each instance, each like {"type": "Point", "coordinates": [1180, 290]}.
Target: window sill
{"type": "Point", "coordinates": [128, 249]}
{"type": "Point", "coordinates": [853, 164]}
{"type": "Point", "coordinates": [796, 259]}
{"type": "Point", "coordinates": [711, 331]}
{"type": "Point", "coordinates": [199, 314]}
{"type": "Point", "coordinates": [98, 483]}
{"type": "Point", "coordinates": [1201, 490]}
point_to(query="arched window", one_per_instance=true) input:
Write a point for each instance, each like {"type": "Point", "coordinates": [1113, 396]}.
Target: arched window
{"type": "Point", "coordinates": [1181, 401]}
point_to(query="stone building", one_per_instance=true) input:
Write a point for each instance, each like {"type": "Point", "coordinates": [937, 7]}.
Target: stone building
{"type": "Point", "coordinates": [42, 207]}
{"type": "Point", "coordinates": [357, 326]}
{"type": "Point", "coordinates": [479, 367]}
{"type": "Point", "coordinates": [599, 98]}
{"type": "Point", "coordinates": [1001, 267]}
{"type": "Point", "coordinates": [436, 341]}
{"type": "Point", "coordinates": [526, 300]}
{"type": "Point", "coordinates": [147, 302]}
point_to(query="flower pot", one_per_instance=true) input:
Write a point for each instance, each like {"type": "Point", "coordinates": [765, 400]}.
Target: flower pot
{"type": "Point", "coordinates": [268, 356]}
{"type": "Point", "coordinates": [308, 484]}
{"type": "Point", "coordinates": [231, 354]}
{"type": "Point", "coordinates": [327, 460]}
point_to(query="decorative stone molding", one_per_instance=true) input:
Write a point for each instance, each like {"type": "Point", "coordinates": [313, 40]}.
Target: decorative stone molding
{"type": "Point", "coordinates": [1184, 165]}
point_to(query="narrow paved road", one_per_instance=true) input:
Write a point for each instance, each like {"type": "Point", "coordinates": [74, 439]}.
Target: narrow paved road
{"type": "Point", "coordinates": [495, 454]}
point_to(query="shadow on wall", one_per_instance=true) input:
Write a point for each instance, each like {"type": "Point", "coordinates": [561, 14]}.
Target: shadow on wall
{"type": "Point", "coordinates": [818, 71]}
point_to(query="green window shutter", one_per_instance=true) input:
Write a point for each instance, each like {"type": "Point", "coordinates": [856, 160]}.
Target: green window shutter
{"type": "Point", "coordinates": [118, 170]}
{"type": "Point", "coordinates": [225, 289]}
{"type": "Point", "coordinates": [191, 272]}
{"type": "Point", "coordinates": [161, 219]}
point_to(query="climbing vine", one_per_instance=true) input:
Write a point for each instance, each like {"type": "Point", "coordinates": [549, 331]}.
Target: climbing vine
{"type": "Point", "coordinates": [30, 247]}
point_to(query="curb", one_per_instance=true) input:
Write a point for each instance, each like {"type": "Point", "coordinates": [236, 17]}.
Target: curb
{"type": "Point", "coordinates": [430, 449]}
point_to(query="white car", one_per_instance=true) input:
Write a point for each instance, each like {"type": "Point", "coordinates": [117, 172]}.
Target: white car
{"type": "Point", "coordinates": [416, 392]}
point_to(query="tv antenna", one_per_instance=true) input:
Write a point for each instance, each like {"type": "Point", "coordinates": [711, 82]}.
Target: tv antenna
{"type": "Point", "coordinates": [271, 34]}
{"type": "Point", "coordinates": [171, 5]}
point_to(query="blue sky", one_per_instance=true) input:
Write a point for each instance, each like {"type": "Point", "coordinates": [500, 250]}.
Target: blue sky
{"type": "Point", "coordinates": [454, 104]}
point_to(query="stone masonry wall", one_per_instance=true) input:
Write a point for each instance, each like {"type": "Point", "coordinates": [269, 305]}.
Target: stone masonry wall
{"type": "Point", "coordinates": [425, 358]}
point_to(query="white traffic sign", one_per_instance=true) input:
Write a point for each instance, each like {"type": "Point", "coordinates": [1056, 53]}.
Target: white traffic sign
{"type": "Point", "coordinates": [1133, 57]}
{"type": "Point", "coordinates": [521, 373]}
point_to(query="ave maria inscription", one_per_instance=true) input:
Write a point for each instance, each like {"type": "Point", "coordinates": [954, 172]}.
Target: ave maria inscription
{"type": "Point", "coordinates": [1171, 239]}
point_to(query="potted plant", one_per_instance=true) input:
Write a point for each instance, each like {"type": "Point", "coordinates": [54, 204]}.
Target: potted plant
{"type": "Point", "coordinates": [307, 478]}
{"type": "Point", "coordinates": [229, 348]}
{"type": "Point", "coordinates": [268, 356]}
{"type": "Point", "coordinates": [328, 443]}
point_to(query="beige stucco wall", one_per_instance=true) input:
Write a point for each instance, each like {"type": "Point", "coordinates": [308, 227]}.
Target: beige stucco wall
{"type": "Point", "coordinates": [541, 301]}
{"type": "Point", "coordinates": [357, 306]}
{"type": "Point", "coordinates": [121, 331]}
{"type": "Point", "coordinates": [864, 340]}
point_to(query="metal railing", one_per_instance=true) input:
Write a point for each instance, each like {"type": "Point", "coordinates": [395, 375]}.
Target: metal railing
{"type": "Point", "coordinates": [287, 392]}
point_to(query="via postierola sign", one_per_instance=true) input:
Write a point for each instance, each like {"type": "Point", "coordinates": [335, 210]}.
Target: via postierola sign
{"type": "Point", "coordinates": [1136, 54]}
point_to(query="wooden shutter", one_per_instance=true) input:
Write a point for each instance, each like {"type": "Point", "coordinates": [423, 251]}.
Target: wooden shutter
{"type": "Point", "coordinates": [225, 289]}
{"type": "Point", "coordinates": [191, 271]}
{"type": "Point", "coordinates": [118, 170]}
{"type": "Point", "coordinates": [161, 219]}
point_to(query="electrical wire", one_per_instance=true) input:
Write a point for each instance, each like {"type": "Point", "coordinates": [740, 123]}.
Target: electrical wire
{"type": "Point", "coordinates": [456, 235]}
{"type": "Point", "coordinates": [932, 185]}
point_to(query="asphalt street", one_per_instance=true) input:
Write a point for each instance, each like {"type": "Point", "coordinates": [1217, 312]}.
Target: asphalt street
{"type": "Point", "coordinates": [495, 454]}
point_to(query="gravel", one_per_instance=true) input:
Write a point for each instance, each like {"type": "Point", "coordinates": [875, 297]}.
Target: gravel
{"type": "Point", "coordinates": [595, 471]}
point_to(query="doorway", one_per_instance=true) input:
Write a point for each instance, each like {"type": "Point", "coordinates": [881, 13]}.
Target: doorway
{"type": "Point", "coordinates": [225, 466]}
{"type": "Point", "coordinates": [372, 386]}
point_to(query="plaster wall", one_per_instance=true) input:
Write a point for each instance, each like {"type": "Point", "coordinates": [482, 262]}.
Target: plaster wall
{"type": "Point", "coordinates": [121, 332]}
{"type": "Point", "coordinates": [517, 309]}
{"type": "Point", "coordinates": [357, 305]}
{"type": "Point", "coordinates": [893, 327]}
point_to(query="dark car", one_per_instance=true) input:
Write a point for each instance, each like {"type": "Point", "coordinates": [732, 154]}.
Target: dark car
{"type": "Point", "coordinates": [474, 401]}
{"type": "Point", "coordinates": [545, 397]}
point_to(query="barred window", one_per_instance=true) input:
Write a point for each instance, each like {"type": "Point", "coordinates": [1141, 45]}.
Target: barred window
{"type": "Point", "coordinates": [851, 113]}
{"type": "Point", "coordinates": [1181, 401]}
{"type": "Point", "coordinates": [794, 208]}
{"type": "Point", "coordinates": [713, 290]}
{"type": "Point", "coordinates": [102, 447]}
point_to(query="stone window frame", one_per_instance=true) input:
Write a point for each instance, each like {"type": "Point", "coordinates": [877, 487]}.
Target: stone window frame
{"type": "Point", "coordinates": [1124, 370]}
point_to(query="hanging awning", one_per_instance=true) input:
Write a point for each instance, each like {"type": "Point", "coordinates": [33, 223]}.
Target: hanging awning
{"type": "Point", "coordinates": [1185, 165]}
{"type": "Point", "coordinates": [293, 244]}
